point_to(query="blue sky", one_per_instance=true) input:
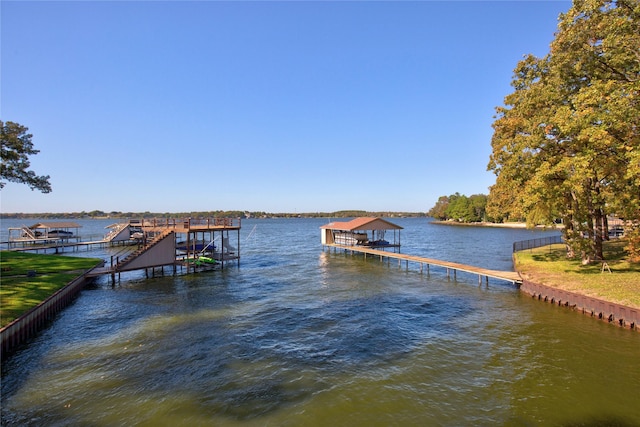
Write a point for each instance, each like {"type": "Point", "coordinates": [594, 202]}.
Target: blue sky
{"type": "Point", "coordinates": [289, 106]}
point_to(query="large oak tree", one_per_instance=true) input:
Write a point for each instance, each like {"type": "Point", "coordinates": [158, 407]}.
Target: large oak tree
{"type": "Point", "coordinates": [15, 150]}
{"type": "Point", "coordinates": [567, 141]}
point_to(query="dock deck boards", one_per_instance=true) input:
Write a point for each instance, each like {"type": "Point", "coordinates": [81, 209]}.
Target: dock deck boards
{"type": "Point", "coordinates": [509, 276]}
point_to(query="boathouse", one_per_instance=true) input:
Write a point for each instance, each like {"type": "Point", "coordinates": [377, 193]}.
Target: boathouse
{"type": "Point", "coordinates": [188, 242]}
{"type": "Point", "coordinates": [44, 232]}
{"type": "Point", "coordinates": [363, 231]}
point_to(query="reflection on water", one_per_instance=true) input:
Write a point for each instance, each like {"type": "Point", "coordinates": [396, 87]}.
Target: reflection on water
{"type": "Point", "coordinates": [298, 336]}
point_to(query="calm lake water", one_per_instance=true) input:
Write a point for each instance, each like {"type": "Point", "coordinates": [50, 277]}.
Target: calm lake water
{"type": "Point", "coordinates": [300, 336]}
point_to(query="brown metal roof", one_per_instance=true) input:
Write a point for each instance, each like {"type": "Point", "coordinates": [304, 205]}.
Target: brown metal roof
{"type": "Point", "coordinates": [50, 225]}
{"type": "Point", "coordinates": [362, 223]}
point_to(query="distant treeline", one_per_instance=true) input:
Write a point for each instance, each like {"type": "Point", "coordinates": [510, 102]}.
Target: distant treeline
{"type": "Point", "coordinates": [97, 214]}
{"type": "Point", "coordinates": [460, 208]}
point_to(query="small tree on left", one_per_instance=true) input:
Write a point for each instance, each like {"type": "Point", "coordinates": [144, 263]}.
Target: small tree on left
{"type": "Point", "coordinates": [15, 151]}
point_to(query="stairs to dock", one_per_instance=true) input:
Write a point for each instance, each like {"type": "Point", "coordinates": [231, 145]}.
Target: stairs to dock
{"type": "Point", "coordinates": [125, 263]}
{"type": "Point", "coordinates": [115, 231]}
{"type": "Point", "coordinates": [27, 233]}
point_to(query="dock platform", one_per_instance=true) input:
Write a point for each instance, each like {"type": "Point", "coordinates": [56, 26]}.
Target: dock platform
{"type": "Point", "coordinates": [508, 276]}
{"type": "Point", "coordinates": [159, 242]}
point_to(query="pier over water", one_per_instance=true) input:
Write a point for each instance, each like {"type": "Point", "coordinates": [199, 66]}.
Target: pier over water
{"type": "Point", "coordinates": [186, 242]}
{"type": "Point", "coordinates": [368, 236]}
{"type": "Point", "coordinates": [425, 263]}
{"type": "Point", "coordinates": [194, 243]}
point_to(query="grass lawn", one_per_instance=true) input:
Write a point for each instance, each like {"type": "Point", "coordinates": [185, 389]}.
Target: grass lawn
{"type": "Point", "coordinates": [19, 292]}
{"type": "Point", "coordinates": [549, 266]}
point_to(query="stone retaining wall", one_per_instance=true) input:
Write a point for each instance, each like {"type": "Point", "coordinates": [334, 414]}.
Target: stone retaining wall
{"type": "Point", "coordinates": [621, 315]}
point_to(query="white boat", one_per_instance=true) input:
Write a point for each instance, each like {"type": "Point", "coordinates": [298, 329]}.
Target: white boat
{"type": "Point", "coordinates": [350, 239]}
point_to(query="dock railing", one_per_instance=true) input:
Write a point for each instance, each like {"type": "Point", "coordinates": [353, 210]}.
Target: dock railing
{"type": "Point", "coordinates": [186, 223]}
{"type": "Point", "coordinates": [536, 243]}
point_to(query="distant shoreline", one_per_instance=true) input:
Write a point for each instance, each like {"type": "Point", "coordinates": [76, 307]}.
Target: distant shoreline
{"type": "Point", "coordinates": [492, 224]}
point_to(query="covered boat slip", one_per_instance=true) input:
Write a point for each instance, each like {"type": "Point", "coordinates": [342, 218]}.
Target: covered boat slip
{"type": "Point", "coordinates": [44, 233]}
{"type": "Point", "coordinates": [197, 244]}
{"type": "Point", "coordinates": [195, 239]}
{"type": "Point", "coordinates": [172, 242]}
{"type": "Point", "coordinates": [353, 236]}
{"type": "Point", "coordinates": [363, 232]}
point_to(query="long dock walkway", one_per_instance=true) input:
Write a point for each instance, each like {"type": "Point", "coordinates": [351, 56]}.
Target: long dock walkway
{"type": "Point", "coordinates": [57, 246]}
{"type": "Point", "coordinates": [508, 276]}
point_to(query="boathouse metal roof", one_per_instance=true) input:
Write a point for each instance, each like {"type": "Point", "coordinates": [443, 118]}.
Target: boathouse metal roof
{"type": "Point", "coordinates": [49, 225]}
{"type": "Point", "coordinates": [362, 223]}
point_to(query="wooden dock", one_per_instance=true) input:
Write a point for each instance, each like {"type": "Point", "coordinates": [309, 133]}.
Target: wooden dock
{"type": "Point", "coordinates": [451, 267]}
{"type": "Point", "coordinates": [56, 246]}
{"type": "Point", "coordinates": [157, 244]}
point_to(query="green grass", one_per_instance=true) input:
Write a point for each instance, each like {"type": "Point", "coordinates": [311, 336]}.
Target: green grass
{"type": "Point", "coordinates": [19, 292]}
{"type": "Point", "coordinates": [549, 266]}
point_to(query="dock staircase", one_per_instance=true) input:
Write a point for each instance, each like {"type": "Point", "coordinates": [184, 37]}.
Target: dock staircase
{"type": "Point", "coordinates": [160, 250]}
{"type": "Point", "coordinates": [28, 233]}
{"type": "Point", "coordinates": [115, 233]}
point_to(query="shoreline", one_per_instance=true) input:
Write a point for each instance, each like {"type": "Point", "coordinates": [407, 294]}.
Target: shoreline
{"type": "Point", "coordinates": [624, 316]}
{"type": "Point", "coordinates": [30, 323]}
{"type": "Point", "coordinates": [494, 224]}
{"type": "Point", "coordinates": [612, 299]}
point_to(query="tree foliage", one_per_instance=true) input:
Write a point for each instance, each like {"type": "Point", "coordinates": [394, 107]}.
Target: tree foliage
{"type": "Point", "coordinates": [458, 207]}
{"type": "Point", "coordinates": [566, 142]}
{"type": "Point", "coordinates": [15, 151]}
